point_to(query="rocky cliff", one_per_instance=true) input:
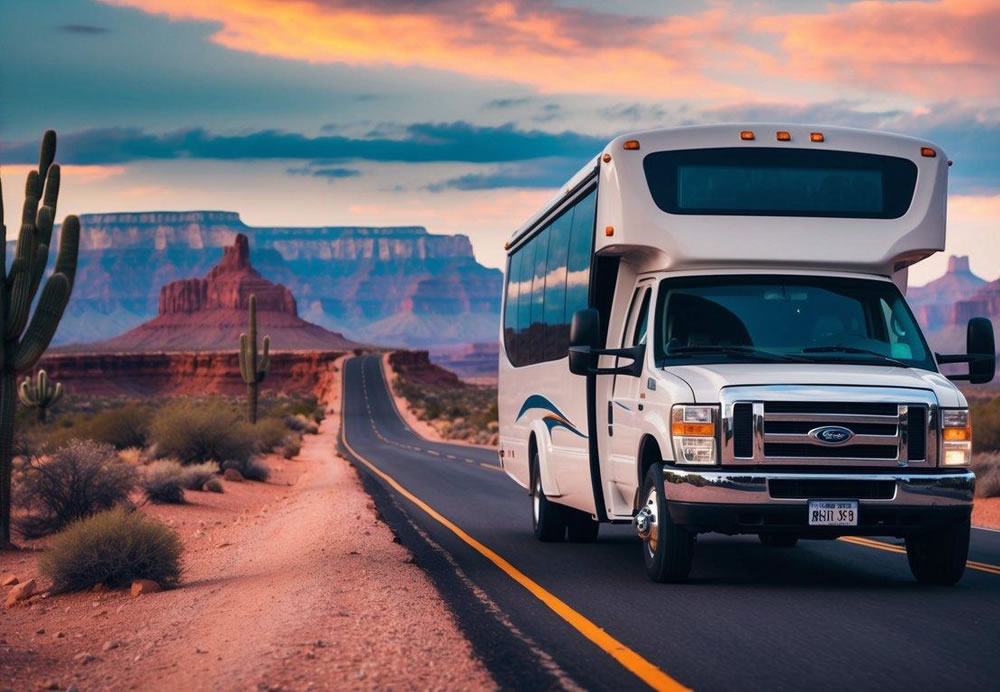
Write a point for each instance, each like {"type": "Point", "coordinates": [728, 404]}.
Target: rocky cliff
{"type": "Point", "coordinates": [398, 285]}
{"type": "Point", "coordinates": [944, 306]}
{"type": "Point", "coordinates": [210, 313]}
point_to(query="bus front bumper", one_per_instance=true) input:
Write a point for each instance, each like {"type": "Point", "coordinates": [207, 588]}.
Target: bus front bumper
{"type": "Point", "coordinates": [889, 504]}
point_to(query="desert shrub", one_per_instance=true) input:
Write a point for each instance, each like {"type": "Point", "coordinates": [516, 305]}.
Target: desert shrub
{"type": "Point", "coordinates": [212, 485]}
{"type": "Point", "coordinates": [292, 447]}
{"type": "Point", "coordinates": [113, 548]}
{"type": "Point", "coordinates": [193, 477]}
{"type": "Point", "coordinates": [133, 456]}
{"type": "Point", "coordinates": [200, 432]}
{"type": "Point", "coordinates": [250, 469]}
{"type": "Point", "coordinates": [163, 481]}
{"type": "Point", "coordinates": [300, 423]}
{"type": "Point", "coordinates": [122, 427]}
{"type": "Point", "coordinates": [78, 480]}
{"type": "Point", "coordinates": [271, 433]}
{"type": "Point", "coordinates": [985, 424]}
{"type": "Point", "coordinates": [987, 468]}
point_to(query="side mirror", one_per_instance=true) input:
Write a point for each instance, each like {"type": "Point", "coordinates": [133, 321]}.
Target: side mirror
{"type": "Point", "coordinates": [584, 331]}
{"type": "Point", "coordinates": [981, 353]}
{"type": "Point", "coordinates": [584, 348]}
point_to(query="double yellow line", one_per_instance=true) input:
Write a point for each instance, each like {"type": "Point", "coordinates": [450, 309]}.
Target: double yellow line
{"type": "Point", "coordinates": [629, 659]}
{"type": "Point", "coordinates": [890, 548]}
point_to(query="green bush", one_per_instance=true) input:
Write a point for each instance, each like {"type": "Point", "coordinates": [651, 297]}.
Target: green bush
{"type": "Point", "coordinates": [293, 445]}
{"type": "Point", "coordinates": [113, 548]}
{"type": "Point", "coordinates": [163, 481]}
{"type": "Point", "coordinates": [80, 479]}
{"type": "Point", "coordinates": [987, 469]}
{"type": "Point", "coordinates": [985, 424]}
{"type": "Point", "coordinates": [195, 476]}
{"type": "Point", "coordinates": [299, 423]}
{"type": "Point", "coordinates": [271, 433]}
{"type": "Point", "coordinates": [196, 432]}
{"type": "Point", "coordinates": [124, 427]}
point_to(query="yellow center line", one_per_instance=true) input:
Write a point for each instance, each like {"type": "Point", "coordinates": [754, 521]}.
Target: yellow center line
{"type": "Point", "coordinates": [888, 547]}
{"type": "Point", "coordinates": [629, 659]}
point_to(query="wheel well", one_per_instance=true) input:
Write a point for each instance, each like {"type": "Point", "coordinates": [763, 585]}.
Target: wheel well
{"type": "Point", "coordinates": [532, 469]}
{"type": "Point", "coordinates": [649, 454]}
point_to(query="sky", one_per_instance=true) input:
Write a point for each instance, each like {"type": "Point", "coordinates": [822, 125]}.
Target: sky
{"type": "Point", "coordinates": [465, 116]}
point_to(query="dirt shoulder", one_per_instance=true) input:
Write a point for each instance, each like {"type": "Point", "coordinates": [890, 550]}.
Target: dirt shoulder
{"type": "Point", "coordinates": [290, 584]}
{"type": "Point", "coordinates": [986, 512]}
{"type": "Point", "coordinates": [421, 427]}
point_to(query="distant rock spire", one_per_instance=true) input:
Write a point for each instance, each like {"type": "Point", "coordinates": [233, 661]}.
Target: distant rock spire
{"type": "Point", "coordinates": [959, 264]}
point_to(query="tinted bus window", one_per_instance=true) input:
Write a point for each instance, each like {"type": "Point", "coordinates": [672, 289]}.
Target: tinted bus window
{"type": "Point", "coordinates": [510, 306]}
{"type": "Point", "coordinates": [767, 181]}
{"type": "Point", "coordinates": [556, 326]}
{"type": "Point", "coordinates": [536, 332]}
{"type": "Point", "coordinates": [581, 246]}
{"type": "Point", "coordinates": [522, 347]}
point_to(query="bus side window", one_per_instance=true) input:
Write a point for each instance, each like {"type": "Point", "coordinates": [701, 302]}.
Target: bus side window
{"type": "Point", "coordinates": [521, 345]}
{"type": "Point", "coordinates": [536, 332]}
{"type": "Point", "coordinates": [510, 306]}
{"type": "Point", "coordinates": [580, 250]}
{"type": "Point", "coordinates": [556, 322]}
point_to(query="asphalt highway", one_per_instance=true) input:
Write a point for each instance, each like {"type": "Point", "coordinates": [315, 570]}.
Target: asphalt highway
{"type": "Point", "coordinates": [825, 615]}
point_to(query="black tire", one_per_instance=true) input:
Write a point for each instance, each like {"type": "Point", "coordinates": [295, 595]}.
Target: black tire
{"type": "Point", "coordinates": [580, 526]}
{"type": "Point", "coordinates": [548, 519]}
{"type": "Point", "coordinates": [669, 551]}
{"type": "Point", "coordinates": [778, 540]}
{"type": "Point", "coordinates": [939, 556]}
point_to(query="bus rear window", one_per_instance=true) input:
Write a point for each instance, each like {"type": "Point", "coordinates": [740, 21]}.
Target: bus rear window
{"type": "Point", "coordinates": [765, 181]}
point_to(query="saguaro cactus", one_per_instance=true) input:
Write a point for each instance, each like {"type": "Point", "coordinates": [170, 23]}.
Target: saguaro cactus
{"type": "Point", "coordinates": [40, 393]}
{"type": "Point", "coordinates": [23, 340]}
{"type": "Point", "coordinates": [253, 367]}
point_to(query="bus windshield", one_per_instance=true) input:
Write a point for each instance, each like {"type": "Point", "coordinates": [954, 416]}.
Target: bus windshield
{"type": "Point", "coordinates": [721, 319]}
{"type": "Point", "coordinates": [766, 181]}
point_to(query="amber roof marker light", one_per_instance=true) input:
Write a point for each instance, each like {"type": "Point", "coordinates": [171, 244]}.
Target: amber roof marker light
{"type": "Point", "coordinates": [606, 158]}
{"type": "Point", "coordinates": [747, 135]}
{"type": "Point", "coordinates": [928, 152]}
{"type": "Point", "coordinates": [816, 137]}
{"type": "Point", "coordinates": [609, 231]}
{"type": "Point", "coordinates": [631, 144]}
{"type": "Point", "coordinates": [784, 136]}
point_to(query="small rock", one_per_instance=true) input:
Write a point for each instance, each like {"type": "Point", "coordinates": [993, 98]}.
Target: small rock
{"type": "Point", "coordinates": [50, 685]}
{"type": "Point", "coordinates": [8, 580]}
{"type": "Point", "coordinates": [233, 475]}
{"type": "Point", "coordinates": [109, 645]}
{"type": "Point", "coordinates": [224, 544]}
{"type": "Point", "coordinates": [59, 635]}
{"type": "Point", "coordinates": [141, 586]}
{"type": "Point", "coordinates": [20, 592]}
{"type": "Point", "coordinates": [199, 533]}
{"type": "Point", "coordinates": [83, 658]}
{"type": "Point", "coordinates": [40, 630]}
{"type": "Point", "coordinates": [212, 485]}
{"type": "Point", "coordinates": [200, 651]}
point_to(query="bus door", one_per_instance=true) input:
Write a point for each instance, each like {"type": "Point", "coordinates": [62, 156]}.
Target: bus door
{"type": "Point", "coordinates": [625, 405]}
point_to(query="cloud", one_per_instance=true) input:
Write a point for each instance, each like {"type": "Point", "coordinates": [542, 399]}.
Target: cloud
{"type": "Point", "coordinates": [84, 29]}
{"type": "Point", "coordinates": [507, 102]}
{"type": "Point", "coordinates": [544, 173]}
{"type": "Point", "coordinates": [330, 174]}
{"type": "Point", "coordinates": [540, 43]}
{"type": "Point", "coordinates": [418, 143]}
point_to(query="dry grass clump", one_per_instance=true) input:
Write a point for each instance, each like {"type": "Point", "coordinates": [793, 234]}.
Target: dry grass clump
{"type": "Point", "coordinates": [195, 432]}
{"type": "Point", "coordinates": [987, 469]}
{"type": "Point", "coordinates": [251, 469]}
{"type": "Point", "coordinates": [292, 447]}
{"type": "Point", "coordinates": [195, 476]}
{"type": "Point", "coordinates": [212, 485]}
{"type": "Point", "coordinates": [271, 433]}
{"type": "Point", "coordinates": [163, 481]}
{"type": "Point", "coordinates": [113, 548]}
{"type": "Point", "coordinates": [299, 423]}
{"type": "Point", "coordinates": [78, 480]}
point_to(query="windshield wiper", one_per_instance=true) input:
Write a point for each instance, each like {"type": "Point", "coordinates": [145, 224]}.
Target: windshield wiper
{"type": "Point", "coordinates": [840, 348]}
{"type": "Point", "coordinates": [744, 351]}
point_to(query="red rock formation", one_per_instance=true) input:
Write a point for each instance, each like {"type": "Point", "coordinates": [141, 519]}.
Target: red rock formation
{"type": "Point", "coordinates": [209, 314]}
{"type": "Point", "coordinates": [934, 304]}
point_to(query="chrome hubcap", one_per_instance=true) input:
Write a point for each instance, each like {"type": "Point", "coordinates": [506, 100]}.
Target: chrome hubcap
{"type": "Point", "coordinates": [645, 522]}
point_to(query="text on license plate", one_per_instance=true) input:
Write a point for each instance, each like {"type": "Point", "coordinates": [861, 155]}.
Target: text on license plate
{"type": "Point", "coordinates": [833, 513]}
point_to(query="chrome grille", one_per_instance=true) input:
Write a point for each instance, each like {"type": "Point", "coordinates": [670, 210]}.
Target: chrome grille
{"type": "Point", "coordinates": [799, 425]}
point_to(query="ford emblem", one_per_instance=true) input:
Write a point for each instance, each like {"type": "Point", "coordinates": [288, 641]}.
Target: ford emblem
{"type": "Point", "coordinates": [831, 435]}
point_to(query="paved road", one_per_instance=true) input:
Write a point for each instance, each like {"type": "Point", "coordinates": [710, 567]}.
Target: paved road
{"type": "Point", "coordinates": [824, 615]}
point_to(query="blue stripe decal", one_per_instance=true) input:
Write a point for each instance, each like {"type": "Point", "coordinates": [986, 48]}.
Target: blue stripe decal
{"type": "Point", "coordinates": [555, 419]}
{"type": "Point", "coordinates": [618, 403]}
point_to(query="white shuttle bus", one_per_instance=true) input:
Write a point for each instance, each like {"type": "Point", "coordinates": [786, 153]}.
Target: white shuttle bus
{"type": "Point", "coordinates": [705, 331]}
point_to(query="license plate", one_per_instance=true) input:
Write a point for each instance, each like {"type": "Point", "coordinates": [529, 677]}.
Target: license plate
{"type": "Point", "coordinates": [833, 513]}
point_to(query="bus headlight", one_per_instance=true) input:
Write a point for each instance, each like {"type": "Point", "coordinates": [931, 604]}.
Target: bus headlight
{"type": "Point", "coordinates": [956, 436]}
{"type": "Point", "coordinates": [692, 429]}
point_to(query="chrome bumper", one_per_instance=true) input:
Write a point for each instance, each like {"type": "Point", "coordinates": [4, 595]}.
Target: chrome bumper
{"type": "Point", "coordinates": [752, 488]}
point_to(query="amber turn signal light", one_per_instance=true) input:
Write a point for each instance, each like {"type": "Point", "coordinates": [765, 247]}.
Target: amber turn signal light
{"type": "Point", "coordinates": [746, 134]}
{"type": "Point", "coordinates": [692, 429]}
{"type": "Point", "coordinates": [816, 137]}
{"type": "Point", "coordinates": [609, 231]}
{"type": "Point", "coordinates": [631, 144]}
{"type": "Point", "coordinates": [928, 152]}
{"type": "Point", "coordinates": [784, 136]}
{"type": "Point", "coordinates": [606, 158]}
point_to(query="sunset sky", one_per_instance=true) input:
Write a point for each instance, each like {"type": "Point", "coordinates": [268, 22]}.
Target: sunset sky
{"type": "Point", "coordinates": [464, 115]}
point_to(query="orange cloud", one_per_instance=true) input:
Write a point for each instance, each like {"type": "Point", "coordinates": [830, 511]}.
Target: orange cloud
{"type": "Point", "coordinates": [941, 49]}
{"type": "Point", "coordinates": [548, 47]}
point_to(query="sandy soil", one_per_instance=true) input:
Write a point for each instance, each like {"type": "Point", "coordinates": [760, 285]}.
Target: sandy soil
{"type": "Point", "coordinates": [292, 584]}
{"type": "Point", "coordinates": [420, 427]}
{"type": "Point", "coordinates": [986, 512]}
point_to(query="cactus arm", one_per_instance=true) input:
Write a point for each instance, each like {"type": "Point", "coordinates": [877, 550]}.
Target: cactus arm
{"type": "Point", "coordinates": [56, 394]}
{"type": "Point", "coordinates": [265, 359]}
{"type": "Point", "coordinates": [69, 248]}
{"type": "Point", "coordinates": [52, 182]}
{"type": "Point", "coordinates": [24, 393]}
{"type": "Point", "coordinates": [44, 323]}
{"type": "Point", "coordinates": [244, 373]}
{"type": "Point", "coordinates": [42, 383]}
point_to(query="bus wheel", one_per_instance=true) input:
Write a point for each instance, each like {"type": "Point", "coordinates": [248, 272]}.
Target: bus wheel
{"type": "Point", "coordinates": [548, 519]}
{"type": "Point", "coordinates": [778, 540]}
{"type": "Point", "coordinates": [581, 527]}
{"type": "Point", "coordinates": [938, 557]}
{"type": "Point", "coordinates": [667, 549]}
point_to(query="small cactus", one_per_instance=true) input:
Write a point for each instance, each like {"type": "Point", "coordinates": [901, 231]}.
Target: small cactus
{"type": "Point", "coordinates": [253, 368]}
{"type": "Point", "coordinates": [40, 393]}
